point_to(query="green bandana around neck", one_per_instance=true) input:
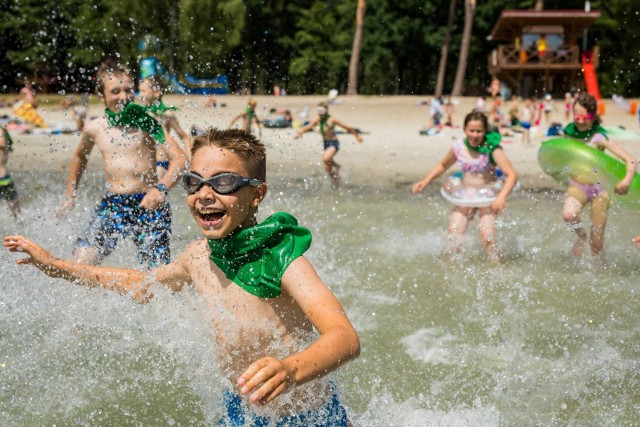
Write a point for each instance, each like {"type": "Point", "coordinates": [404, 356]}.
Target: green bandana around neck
{"type": "Point", "coordinates": [491, 142]}
{"type": "Point", "coordinates": [586, 135]}
{"type": "Point", "coordinates": [159, 108]}
{"type": "Point", "coordinates": [250, 113]}
{"type": "Point", "coordinates": [255, 258]}
{"type": "Point", "coordinates": [136, 116]}
{"type": "Point", "coordinates": [323, 123]}
{"type": "Point", "coordinates": [7, 137]}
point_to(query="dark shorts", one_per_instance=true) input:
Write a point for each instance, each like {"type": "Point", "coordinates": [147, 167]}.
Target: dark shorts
{"type": "Point", "coordinates": [332, 143]}
{"type": "Point", "coordinates": [525, 125]}
{"type": "Point", "coordinates": [7, 189]}
{"type": "Point", "coordinates": [119, 215]}
{"type": "Point", "coordinates": [332, 414]}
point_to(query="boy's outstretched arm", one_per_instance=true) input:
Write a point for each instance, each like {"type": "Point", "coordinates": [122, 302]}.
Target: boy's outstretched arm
{"type": "Point", "coordinates": [306, 128]}
{"type": "Point", "coordinates": [349, 129]}
{"type": "Point", "coordinates": [135, 283]}
{"type": "Point", "coordinates": [268, 377]}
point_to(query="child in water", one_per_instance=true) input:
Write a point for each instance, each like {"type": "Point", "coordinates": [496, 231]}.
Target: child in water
{"type": "Point", "coordinates": [7, 188]}
{"type": "Point", "coordinates": [151, 97]}
{"type": "Point", "coordinates": [586, 128]}
{"type": "Point", "coordinates": [272, 297]}
{"type": "Point", "coordinates": [478, 154]}
{"type": "Point", "coordinates": [329, 139]}
{"type": "Point", "coordinates": [248, 116]}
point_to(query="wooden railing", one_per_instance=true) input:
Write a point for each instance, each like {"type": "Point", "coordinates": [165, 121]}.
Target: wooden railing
{"type": "Point", "coordinates": [512, 57]}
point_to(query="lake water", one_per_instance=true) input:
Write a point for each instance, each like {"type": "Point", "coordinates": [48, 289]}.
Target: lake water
{"type": "Point", "coordinates": [542, 340]}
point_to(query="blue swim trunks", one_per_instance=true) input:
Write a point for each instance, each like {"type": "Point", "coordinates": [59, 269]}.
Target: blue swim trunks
{"type": "Point", "coordinates": [164, 164]}
{"type": "Point", "coordinates": [332, 143]}
{"type": "Point", "coordinates": [332, 414]}
{"type": "Point", "coordinates": [120, 215]}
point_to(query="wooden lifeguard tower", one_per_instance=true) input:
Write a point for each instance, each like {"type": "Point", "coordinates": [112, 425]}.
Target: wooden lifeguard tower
{"type": "Point", "coordinates": [542, 54]}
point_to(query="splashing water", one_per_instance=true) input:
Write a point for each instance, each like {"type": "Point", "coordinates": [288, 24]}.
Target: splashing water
{"type": "Point", "coordinates": [543, 339]}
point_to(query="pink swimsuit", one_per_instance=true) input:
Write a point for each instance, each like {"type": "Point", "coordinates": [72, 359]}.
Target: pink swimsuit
{"type": "Point", "coordinates": [591, 191]}
{"type": "Point", "coordinates": [470, 165]}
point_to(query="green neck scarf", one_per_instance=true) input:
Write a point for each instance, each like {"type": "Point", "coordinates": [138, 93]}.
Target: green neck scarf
{"type": "Point", "coordinates": [159, 108]}
{"type": "Point", "coordinates": [587, 134]}
{"type": "Point", "coordinates": [7, 137]}
{"type": "Point", "coordinates": [255, 258]}
{"type": "Point", "coordinates": [323, 123]}
{"type": "Point", "coordinates": [491, 142]}
{"type": "Point", "coordinates": [250, 113]}
{"type": "Point", "coordinates": [136, 116]}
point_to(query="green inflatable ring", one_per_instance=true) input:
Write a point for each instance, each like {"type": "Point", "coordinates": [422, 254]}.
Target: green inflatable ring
{"type": "Point", "coordinates": [564, 157]}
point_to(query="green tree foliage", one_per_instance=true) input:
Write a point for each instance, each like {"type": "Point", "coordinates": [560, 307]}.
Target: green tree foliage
{"type": "Point", "coordinates": [303, 45]}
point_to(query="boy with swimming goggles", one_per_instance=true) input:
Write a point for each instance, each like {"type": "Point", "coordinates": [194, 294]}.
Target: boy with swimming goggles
{"type": "Point", "coordinates": [271, 296]}
{"type": "Point", "coordinates": [135, 203]}
{"type": "Point", "coordinates": [478, 155]}
{"type": "Point", "coordinates": [330, 140]}
{"type": "Point", "coordinates": [586, 127]}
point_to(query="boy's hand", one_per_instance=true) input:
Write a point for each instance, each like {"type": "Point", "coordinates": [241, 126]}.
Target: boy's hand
{"type": "Point", "coordinates": [152, 200]}
{"type": "Point", "coordinates": [65, 207]}
{"type": "Point", "coordinates": [636, 240]}
{"type": "Point", "coordinates": [37, 255]}
{"type": "Point", "coordinates": [298, 135]}
{"type": "Point", "coordinates": [358, 137]}
{"type": "Point", "coordinates": [269, 374]}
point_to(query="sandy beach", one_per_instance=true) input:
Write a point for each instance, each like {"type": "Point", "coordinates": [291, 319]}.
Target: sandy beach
{"type": "Point", "coordinates": [393, 152]}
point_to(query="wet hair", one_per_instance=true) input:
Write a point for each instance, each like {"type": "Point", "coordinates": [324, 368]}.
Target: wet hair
{"type": "Point", "coordinates": [110, 68]}
{"type": "Point", "coordinates": [590, 103]}
{"type": "Point", "coordinates": [477, 115]}
{"type": "Point", "coordinates": [154, 82]}
{"type": "Point", "coordinates": [250, 149]}
{"type": "Point", "coordinates": [324, 104]}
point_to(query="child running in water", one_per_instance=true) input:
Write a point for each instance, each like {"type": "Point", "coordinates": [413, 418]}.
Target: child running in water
{"type": "Point", "coordinates": [330, 140]}
{"type": "Point", "coordinates": [150, 90]}
{"type": "Point", "coordinates": [7, 188]}
{"type": "Point", "coordinates": [478, 155]}
{"type": "Point", "coordinates": [135, 203]}
{"type": "Point", "coordinates": [586, 128]}
{"type": "Point", "coordinates": [248, 116]}
{"type": "Point", "coordinates": [270, 294]}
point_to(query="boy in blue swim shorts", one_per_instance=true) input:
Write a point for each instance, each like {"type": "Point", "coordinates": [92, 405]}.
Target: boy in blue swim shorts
{"type": "Point", "coordinates": [330, 141]}
{"type": "Point", "coordinates": [135, 205]}
{"type": "Point", "coordinates": [278, 328]}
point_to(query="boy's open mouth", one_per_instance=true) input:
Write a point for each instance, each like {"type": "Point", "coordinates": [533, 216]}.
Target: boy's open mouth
{"type": "Point", "coordinates": [211, 217]}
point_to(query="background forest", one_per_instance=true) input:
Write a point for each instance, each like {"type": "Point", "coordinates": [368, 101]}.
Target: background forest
{"type": "Point", "coordinates": [303, 45]}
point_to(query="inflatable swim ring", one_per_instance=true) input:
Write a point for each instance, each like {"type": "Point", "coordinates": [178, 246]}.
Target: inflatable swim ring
{"type": "Point", "coordinates": [470, 197]}
{"type": "Point", "coordinates": [564, 157]}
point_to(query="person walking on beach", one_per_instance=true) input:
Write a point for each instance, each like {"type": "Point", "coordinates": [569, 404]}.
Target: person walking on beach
{"type": "Point", "coordinates": [248, 116]}
{"type": "Point", "coordinates": [586, 128]}
{"type": "Point", "coordinates": [330, 140]}
{"type": "Point", "coordinates": [135, 203]}
{"type": "Point", "coordinates": [269, 299]}
{"type": "Point", "coordinates": [8, 190]}
{"type": "Point", "coordinates": [478, 154]}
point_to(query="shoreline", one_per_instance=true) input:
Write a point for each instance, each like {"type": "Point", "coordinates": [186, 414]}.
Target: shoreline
{"type": "Point", "coordinates": [393, 152]}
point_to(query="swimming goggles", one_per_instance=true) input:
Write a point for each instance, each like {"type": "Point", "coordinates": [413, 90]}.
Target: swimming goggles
{"type": "Point", "coordinates": [583, 117]}
{"type": "Point", "coordinates": [223, 183]}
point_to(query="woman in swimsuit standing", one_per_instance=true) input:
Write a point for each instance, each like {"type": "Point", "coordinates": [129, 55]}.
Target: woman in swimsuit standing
{"type": "Point", "coordinates": [330, 140]}
{"type": "Point", "coordinates": [478, 155]}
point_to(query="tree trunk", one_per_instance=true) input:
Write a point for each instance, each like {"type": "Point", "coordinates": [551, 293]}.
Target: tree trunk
{"type": "Point", "coordinates": [469, 10]}
{"type": "Point", "coordinates": [352, 89]}
{"type": "Point", "coordinates": [445, 49]}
